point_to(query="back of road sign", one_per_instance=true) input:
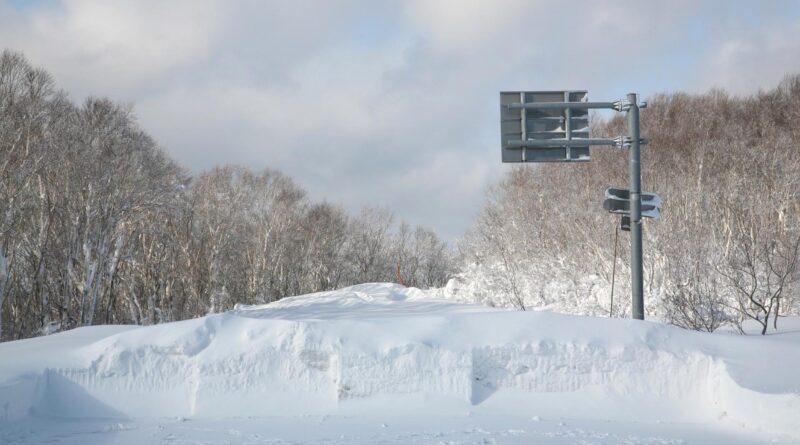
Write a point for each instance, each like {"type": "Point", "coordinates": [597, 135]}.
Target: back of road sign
{"type": "Point", "coordinates": [544, 124]}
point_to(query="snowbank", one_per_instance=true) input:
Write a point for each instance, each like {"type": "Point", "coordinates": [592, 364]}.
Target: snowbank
{"type": "Point", "coordinates": [385, 347]}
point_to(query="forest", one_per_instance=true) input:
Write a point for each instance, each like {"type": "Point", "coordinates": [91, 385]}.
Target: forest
{"type": "Point", "coordinates": [98, 225]}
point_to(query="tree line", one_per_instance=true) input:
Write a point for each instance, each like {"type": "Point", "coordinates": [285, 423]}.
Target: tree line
{"type": "Point", "coordinates": [724, 251]}
{"type": "Point", "coordinates": [98, 225]}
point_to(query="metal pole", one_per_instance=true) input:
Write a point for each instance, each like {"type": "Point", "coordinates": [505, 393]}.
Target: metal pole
{"type": "Point", "coordinates": [614, 268]}
{"type": "Point", "coordinates": [563, 105]}
{"type": "Point", "coordinates": [637, 284]}
{"type": "Point", "coordinates": [568, 126]}
{"type": "Point", "coordinates": [577, 142]}
{"type": "Point", "coordinates": [524, 114]}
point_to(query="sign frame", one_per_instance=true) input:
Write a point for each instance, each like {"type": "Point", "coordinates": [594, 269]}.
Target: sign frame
{"type": "Point", "coordinates": [522, 122]}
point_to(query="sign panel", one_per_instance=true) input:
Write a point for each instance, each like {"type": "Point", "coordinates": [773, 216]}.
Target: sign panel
{"type": "Point", "coordinates": [624, 207]}
{"type": "Point", "coordinates": [618, 201]}
{"type": "Point", "coordinates": [624, 194]}
{"type": "Point", "coordinates": [519, 124]}
{"type": "Point", "coordinates": [620, 206]}
{"type": "Point", "coordinates": [625, 223]}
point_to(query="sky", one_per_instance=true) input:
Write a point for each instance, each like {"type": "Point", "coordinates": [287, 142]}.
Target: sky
{"type": "Point", "coordinates": [387, 103]}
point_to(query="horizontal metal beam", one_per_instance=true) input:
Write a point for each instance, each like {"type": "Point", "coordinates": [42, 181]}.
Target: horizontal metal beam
{"type": "Point", "coordinates": [563, 105]}
{"type": "Point", "coordinates": [578, 142]}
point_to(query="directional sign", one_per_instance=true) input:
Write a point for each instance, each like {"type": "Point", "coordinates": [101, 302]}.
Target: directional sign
{"type": "Point", "coordinates": [541, 125]}
{"type": "Point", "coordinates": [624, 208]}
{"type": "Point", "coordinates": [620, 206]}
{"type": "Point", "coordinates": [624, 194]}
{"type": "Point", "coordinates": [618, 201]}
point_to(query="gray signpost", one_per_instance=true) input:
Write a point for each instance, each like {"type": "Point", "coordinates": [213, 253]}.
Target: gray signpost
{"type": "Point", "coordinates": [553, 126]}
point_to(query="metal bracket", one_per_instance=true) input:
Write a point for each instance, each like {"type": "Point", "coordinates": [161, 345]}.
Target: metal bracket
{"type": "Point", "coordinates": [625, 105]}
{"type": "Point", "coordinates": [626, 141]}
{"type": "Point", "coordinates": [622, 105]}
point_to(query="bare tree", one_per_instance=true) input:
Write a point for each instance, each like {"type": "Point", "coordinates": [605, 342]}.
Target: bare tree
{"type": "Point", "coordinates": [98, 225]}
{"type": "Point", "coordinates": [368, 245]}
{"type": "Point", "coordinates": [760, 273]}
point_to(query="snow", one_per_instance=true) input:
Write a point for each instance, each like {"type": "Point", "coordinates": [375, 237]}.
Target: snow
{"type": "Point", "coordinates": [384, 363]}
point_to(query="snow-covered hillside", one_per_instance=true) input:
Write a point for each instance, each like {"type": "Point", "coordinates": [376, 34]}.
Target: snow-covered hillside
{"type": "Point", "coordinates": [389, 354]}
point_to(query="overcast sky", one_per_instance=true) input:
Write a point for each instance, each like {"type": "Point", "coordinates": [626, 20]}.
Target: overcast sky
{"type": "Point", "coordinates": [391, 103]}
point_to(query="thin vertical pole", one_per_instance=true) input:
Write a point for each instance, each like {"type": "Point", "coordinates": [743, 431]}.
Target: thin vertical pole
{"type": "Point", "coordinates": [637, 272]}
{"type": "Point", "coordinates": [524, 117]}
{"type": "Point", "coordinates": [614, 270]}
{"type": "Point", "coordinates": [567, 125]}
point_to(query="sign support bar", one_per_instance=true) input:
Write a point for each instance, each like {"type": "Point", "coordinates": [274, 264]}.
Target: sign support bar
{"type": "Point", "coordinates": [565, 105]}
{"type": "Point", "coordinates": [577, 142]}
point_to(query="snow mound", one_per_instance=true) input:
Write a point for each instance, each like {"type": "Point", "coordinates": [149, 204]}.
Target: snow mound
{"type": "Point", "coordinates": [386, 347]}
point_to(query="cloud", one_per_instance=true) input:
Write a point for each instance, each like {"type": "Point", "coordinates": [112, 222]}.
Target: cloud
{"type": "Point", "coordinates": [114, 47]}
{"type": "Point", "coordinates": [391, 103]}
{"type": "Point", "coordinates": [467, 27]}
{"type": "Point", "coordinates": [749, 59]}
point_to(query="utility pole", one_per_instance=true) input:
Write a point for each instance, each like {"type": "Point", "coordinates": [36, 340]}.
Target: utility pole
{"type": "Point", "coordinates": [635, 187]}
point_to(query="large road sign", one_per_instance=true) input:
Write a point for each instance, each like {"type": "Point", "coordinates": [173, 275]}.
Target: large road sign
{"type": "Point", "coordinates": [542, 125]}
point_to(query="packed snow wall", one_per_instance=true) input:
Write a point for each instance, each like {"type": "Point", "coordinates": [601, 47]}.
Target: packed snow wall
{"type": "Point", "coordinates": [332, 352]}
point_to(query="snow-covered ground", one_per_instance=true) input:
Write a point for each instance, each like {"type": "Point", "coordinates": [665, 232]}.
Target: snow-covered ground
{"type": "Point", "coordinates": [380, 363]}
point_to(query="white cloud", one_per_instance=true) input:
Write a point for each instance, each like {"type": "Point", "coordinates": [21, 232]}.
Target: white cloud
{"type": "Point", "coordinates": [748, 59]}
{"type": "Point", "coordinates": [467, 27]}
{"type": "Point", "coordinates": [113, 47]}
{"type": "Point", "coordinates": [388, 103]}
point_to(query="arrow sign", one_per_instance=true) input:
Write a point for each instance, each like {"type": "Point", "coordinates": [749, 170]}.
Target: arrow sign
{"type": "Point", "coordinates": [654, 213]}
{"type": "Point", "coordinates": [619, 206]}
{"type": "Point", "coordinates": [618, 201]}
{"type": "Point", "coordinates": [624, 195]}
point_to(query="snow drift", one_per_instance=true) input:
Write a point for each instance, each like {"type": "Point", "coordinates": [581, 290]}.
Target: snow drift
{"type": "Point", "coordinates": [386, 347]}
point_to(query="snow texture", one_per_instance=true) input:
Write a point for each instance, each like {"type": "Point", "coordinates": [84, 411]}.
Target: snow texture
{"type": "Point", "coordinates": [382, 348]}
